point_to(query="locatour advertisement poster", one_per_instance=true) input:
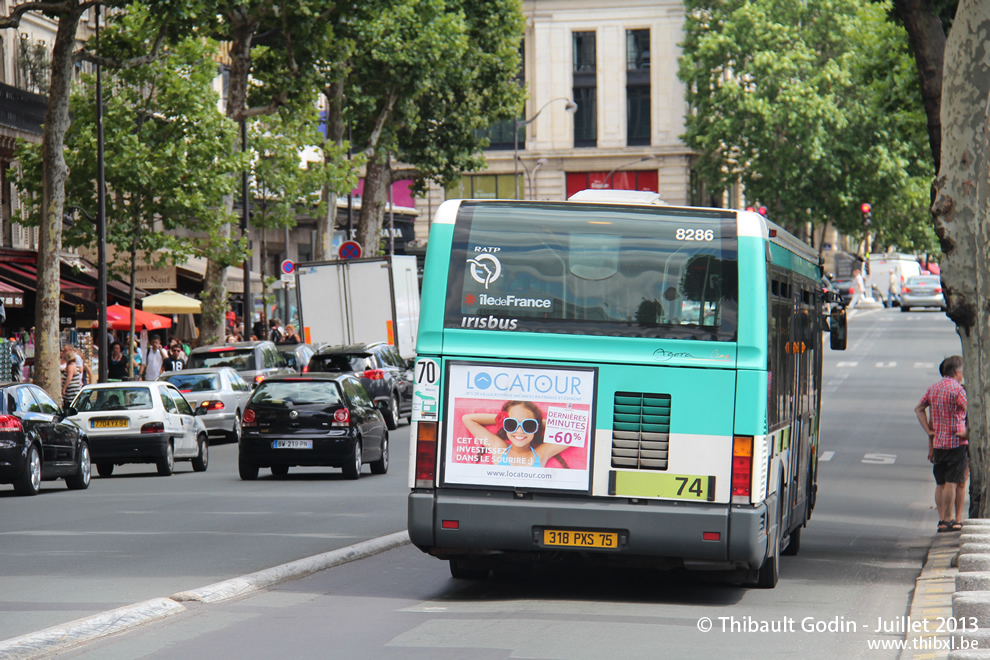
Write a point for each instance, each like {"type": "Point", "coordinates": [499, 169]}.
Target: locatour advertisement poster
{"type": "Point", "coordinates": [526, 427]}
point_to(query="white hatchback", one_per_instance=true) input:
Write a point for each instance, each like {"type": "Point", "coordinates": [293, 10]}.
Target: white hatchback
{"type": "Point", "coordinates": [141, 422]}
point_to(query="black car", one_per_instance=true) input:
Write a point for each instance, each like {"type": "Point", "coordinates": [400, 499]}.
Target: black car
{"type": "Point", "coordinates": [312, 420]}
{"type": "Point", "coordinates": [846, 287]}
{"type": "Point", "coordinates": [37, 443]}
{"type": "Point", "coordinates": [297, 356]}
{"type": "Point", "coordinates": [387, 377]}
{"type": "Point", "coordinates": [253, 360]}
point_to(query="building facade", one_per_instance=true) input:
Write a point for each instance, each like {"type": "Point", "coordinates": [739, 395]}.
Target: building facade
{"type": "Point", "coordinates": [618, 64]}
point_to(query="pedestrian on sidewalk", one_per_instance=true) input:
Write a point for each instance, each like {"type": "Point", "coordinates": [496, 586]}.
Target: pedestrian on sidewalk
{"type": "Point", "coordinates": [948, 441]}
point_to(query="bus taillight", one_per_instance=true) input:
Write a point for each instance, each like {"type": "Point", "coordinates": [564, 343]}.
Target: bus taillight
{"type": "Point", "coordinates": [742, 469]}
{"type": "Point", "coordinates": [426, 454]}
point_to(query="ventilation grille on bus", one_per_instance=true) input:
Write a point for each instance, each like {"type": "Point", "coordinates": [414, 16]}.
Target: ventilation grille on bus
{"type": "Point", "coordinates": [640, 431]}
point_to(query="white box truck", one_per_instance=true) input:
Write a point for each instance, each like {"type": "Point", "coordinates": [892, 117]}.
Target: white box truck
{"type": "Point", "coordinates": [354, 301]}
{"type": "Point", "coordinates": [902, 266]}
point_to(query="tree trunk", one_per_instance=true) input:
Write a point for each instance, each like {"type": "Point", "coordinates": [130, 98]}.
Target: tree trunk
{"type": "Point", "coordinates": [376, 180]}
{"type": "Point", "coordinates": [927, 39]}
{"type": "Point", "coordinates": [46, 322]}
{"type": "Point", "coordinates": [334, 135]}
{"type": "Point", "coordinates": [211, 324]}
{"type": "Point", "coordinates": [962, 220]}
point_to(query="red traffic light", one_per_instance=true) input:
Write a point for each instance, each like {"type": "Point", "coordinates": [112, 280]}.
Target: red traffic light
{"type": "Point", "coordinates": [865, 207]}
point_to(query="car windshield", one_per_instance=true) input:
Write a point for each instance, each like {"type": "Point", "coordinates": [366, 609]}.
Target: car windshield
{"type": "Point", "coordinates": [925, 280]}
{"type": "Point", "coordinates": [339, 362]}
{"type": "Point", "coordinates": [194, 382]}
{"type": "Point", "coordinates": [117, 398]}
{"type": "Point", "coordinates": [281, 393]}
{"type": "Point", "coordinates": [241, 359]}
{"type": "Point", "coordinates": [290, 358]}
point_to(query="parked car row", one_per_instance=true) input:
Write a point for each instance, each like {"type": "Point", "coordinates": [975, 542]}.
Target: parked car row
{"type": "Point", "coordinates": [336, 413]}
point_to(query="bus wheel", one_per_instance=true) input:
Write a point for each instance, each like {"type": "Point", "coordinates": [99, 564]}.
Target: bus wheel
{"type": "Point", "coordinates": [766, 576]}
{"type": "Point", "coordinates": [461, 569]}
{"type": "Point", "coordinates": [794, 543]}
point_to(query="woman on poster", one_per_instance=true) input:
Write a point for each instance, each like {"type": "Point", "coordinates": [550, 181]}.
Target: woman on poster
{"type": "Point", "coordinates": [519, 439]}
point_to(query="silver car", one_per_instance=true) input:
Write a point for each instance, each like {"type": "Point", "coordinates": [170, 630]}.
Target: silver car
{"type": "Point", "coordinates": [922, 291]}
{"type": "Point", "coordinates": [220, 390]}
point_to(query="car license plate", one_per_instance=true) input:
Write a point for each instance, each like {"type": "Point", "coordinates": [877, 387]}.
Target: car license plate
{"type": "Point", "coordinates": [570, 538]}
{"type": "Point", "coordinates": [109, 423]}
{"type": "Point", "coordinates": [292, 444]}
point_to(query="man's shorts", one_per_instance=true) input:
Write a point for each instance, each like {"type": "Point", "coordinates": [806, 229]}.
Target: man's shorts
{"type": "Point", "coordinates": [950, 465]}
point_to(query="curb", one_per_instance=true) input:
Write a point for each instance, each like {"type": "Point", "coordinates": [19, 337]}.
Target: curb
{"type": "Point", "coordinates": [59, 638]}
{"type": "Point", "coordinates": [932, 600]}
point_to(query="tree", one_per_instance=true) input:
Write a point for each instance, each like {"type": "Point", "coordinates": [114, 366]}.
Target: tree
{"type": "Point", "coordinates": [962, 221]}
{"type": "Point", "coordinates": [166, 168]}
{"type": "Point", "coordinates": [428, 75]}
{"type": "Point", "coordinates": [795, 102]}
{"type": "Point", "coordinates": [54, 174]}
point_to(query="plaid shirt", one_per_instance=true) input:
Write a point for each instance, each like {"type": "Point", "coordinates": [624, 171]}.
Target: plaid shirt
{"type": "Point", "coordinates": [947, 401]}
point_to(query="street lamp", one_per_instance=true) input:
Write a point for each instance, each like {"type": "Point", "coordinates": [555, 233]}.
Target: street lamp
{"type": "Point", "coordinates": [608, 177]}
{"type": "Point", "coordinates": [569, 106]}
{"type": "Point", "coordinates": [530, 174]}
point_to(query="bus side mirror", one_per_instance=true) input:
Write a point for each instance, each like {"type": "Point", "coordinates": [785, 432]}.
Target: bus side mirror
{"type": "Point", "coordinates": [837, 330]}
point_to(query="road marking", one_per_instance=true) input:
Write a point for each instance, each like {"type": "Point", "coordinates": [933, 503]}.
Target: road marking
{"type": "Point", "coordinates": [880, 459]}
{"type": "Point", "coordinates": [886, 365]}
{"type": "Point", "coordinates": [924, 365]}
{"type": "Point", "coordinates": [826, 456]}
{"type": "Point", "coordinates": [847, 364]}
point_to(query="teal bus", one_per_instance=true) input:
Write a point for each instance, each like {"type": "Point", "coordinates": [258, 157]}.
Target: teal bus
{"type": "Point", "coordinates": [613, 378]}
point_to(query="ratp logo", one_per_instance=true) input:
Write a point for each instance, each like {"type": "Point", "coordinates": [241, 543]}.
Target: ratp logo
{"type": "Point", "coordinates": [485, 269]}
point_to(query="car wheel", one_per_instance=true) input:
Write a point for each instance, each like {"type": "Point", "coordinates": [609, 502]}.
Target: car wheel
{"type": "Point", "coordinates": [29, 483]}
{"type": "Point", "coordinates": [905, 308]}
{"type": "Point", "coordinates": [381, 465]}
{"type": "Point", "coordinates": [202, 461]}
{"type": "Point", "coordinates": [235, 434]}
{"type": "Point", "coordinates": [392, 416]}
{"type": "Point", "coordinates": [280, 470]}
{"type": "Point", "coordinates": [247, 470]}
{"type": "Point", "coordinates": [767, 575]}
{"type": "Point", "coordinates": [352, 469]}
{"type": "Point", "coordinates": [794, 543]}
{"type": "Point", "coordinates": [80, 480]}
{"type": "Point", "coordinates": [104, 469]}
{"type": "Point", "coordinates": [167, 463]}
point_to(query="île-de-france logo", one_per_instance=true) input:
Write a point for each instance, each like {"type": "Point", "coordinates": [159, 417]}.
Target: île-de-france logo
{"type": "Point", "coordinates": [470, 299]}
{"type": "Point", "coordinates": [485, 268]}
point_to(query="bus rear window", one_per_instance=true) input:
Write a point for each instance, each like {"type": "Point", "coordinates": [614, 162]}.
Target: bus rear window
{"type": "Point", "coordinates": [591, 269]}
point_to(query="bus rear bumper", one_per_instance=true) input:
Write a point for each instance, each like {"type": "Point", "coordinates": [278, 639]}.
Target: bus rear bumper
{"type": "Point", "coordinates": [461, 523]}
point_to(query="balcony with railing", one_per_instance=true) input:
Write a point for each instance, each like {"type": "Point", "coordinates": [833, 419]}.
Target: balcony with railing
{"type": "Point", "coordinates": [22, 110]}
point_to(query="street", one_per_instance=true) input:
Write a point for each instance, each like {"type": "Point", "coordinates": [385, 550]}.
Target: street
{"type": "Point", "coordinates": [137, 536]}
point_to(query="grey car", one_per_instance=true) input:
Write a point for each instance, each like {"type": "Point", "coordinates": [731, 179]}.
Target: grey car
{"type": "Point", "coordinates": [922, 291]}
{"type": "Point", "coordinates": [221, 391]}
{"type": "Point", "coordinates": [379, 367]}
{"type": "Point", "coordinates": [297, 355]}
{"type": "Point", "coordinates": [253, 360]}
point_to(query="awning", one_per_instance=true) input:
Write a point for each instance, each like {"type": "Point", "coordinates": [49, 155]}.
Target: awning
{"type": "Point", "coordinates": [11, 295]}
{"type": "Point", "coordinates": [170, 302]}
{"type": "Point", "coordinates": [71, 304]}
{"type": "Point", "coordinates": [77, 289]}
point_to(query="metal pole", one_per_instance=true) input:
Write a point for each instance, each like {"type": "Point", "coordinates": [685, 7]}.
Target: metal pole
{"type": "Point", "coordinates": [391, 211]}
{"type": "Point", "coordinates": [101, 222]}
{"type": "Point", "coordinates": [245, 226]}
{"type": "Point", "coordinates": [350, 194]}
{"type": "Point", "coordinates": [515, 157]}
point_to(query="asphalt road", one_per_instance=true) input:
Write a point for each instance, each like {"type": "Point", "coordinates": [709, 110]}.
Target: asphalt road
{"type": "Point", "coordinates": [863, 549]}
{"type": "Point", "coordinates": [135, 536]}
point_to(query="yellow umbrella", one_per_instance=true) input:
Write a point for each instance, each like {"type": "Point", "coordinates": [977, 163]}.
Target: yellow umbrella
{"type": "Point", "coordinates": [170, 302]}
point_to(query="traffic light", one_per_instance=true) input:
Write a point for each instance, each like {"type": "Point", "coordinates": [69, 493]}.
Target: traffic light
{"type": "Point", "coordinates": [867, 215]}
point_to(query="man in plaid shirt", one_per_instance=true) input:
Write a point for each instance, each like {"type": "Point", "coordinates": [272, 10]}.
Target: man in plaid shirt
{"type": "Point", "coordinates": [948, 444]}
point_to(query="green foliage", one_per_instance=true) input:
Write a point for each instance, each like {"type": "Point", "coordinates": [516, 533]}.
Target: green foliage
{"type": "Point", "coordinates": [448, 67]}
{"type": "Point", "coordinates": [168, 157]}
{"type": "Point", "coordinates": [813, 107]}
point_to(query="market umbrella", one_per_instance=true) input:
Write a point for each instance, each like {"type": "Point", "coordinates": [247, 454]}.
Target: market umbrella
{"type": "Point", "coordinates": [170, 302]}
{"type": "Point", "coordinates": [119, 318]}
